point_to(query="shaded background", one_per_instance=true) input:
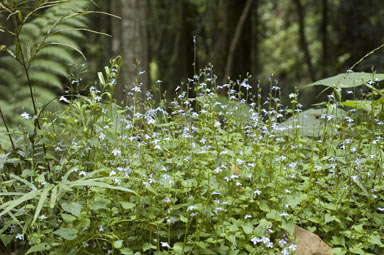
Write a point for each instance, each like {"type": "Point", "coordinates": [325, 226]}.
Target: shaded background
{"type": "Point", "coordinates": [293, 41]}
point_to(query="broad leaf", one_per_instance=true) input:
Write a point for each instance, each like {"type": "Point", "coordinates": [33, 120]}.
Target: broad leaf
{"type": "Point", "coordinates": [348, 80]}
{"type": "Point", "coordinates": [67, 233]}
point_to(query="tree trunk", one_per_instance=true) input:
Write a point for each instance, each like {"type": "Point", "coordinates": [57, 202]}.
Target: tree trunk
{"type": "Point", "coordinates": [303, 40]}
{"type": "Point", "coordinates": [324, 37]}
{"type": "Point", "coordinates": [130, 40]}
{"type": "Point", "coordinates": [236, 38]}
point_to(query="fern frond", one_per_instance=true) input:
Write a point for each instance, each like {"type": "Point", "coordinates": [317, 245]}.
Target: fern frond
{"type": "Point", "coordinates": [7, 79]}
{"type": "Point", "coordinates": [50, 66]}
{"type": "Point", "coordinates": [46, 79]}
{"type": "Point", "coordinates": [32, 30]}
{"type": "Point", "coordinates": [57, 53]}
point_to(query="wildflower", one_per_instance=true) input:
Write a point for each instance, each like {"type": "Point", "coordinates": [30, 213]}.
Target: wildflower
{"type": "Point", "coordinates": [255, 240]}
{"type": "Point", "coordinates": [257, 192]}
{"type": "Point", "coordinates": [285, 251]}
{"type": "Point", "coordinates": [165, 244]}
{"type": "Point", "coordinates": [62, 98]}
{"type": "Point", "coordinates": [247, 216]}
{"type": "Point", "coordinates": [283, 214]}
{"type": "Point", "coordinates": [158, 81]}
{"type": "Point", "coordinates": [25, 115]}
{"type": "Point", "coordinates": [191, 207]}
{"type": "Point", "coordinates": [20, 236]}
{"type": "Point", "coordinates": [102, 136]}
{"type": "Point", "coordinates": [101, 229]}
{"type": "Point", "coordinates": [282, 242]}
{"type": "Point", "coordinates": [117, 181]}
{"type": "Point", "coordinates": [116, 152]}
{"type": "Point", "coordinates": [43, 217]}
{"type": "Point", "coordinates": [381, 209]}
{"type": "Point", "coordinates": [167, 200]}
{"type": "Point", "coordinates": [83, 173]}
{"type": "Point", "coordinates": [292, 95]}
{"type": "Point", "coordinates": [141, 72]}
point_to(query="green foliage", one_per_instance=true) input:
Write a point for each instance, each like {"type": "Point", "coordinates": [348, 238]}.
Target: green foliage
{"type": "Point", "coordinates": [46, 35]}
{"type": "Point", "coordinates": [191, 177]}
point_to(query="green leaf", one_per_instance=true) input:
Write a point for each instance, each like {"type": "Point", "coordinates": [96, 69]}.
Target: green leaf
{"type": "Point", "coordinates": [329, 218]}
{"type": "Point", "coordinates": [72, 207]}
{"type": "Point", "coordinates": [126, 251]}
{"type": "Point", "coordinates": [3, 160]}
{"type": "Point", "coordinates": [100, 203]}
{"type": "Point", "coordinates": [376, 239]}
{"type": "Point", "coordinates": [348, 80]}
{"type": "Point", "coordinates": [13, 203]}
{"type": "Point", "coordinates": [127, 205]}
{"type": "Point", "coordinates": [148, 246]}
{"type": "Point", "coordinates": [68, 217]}
{"type": "Point", "coordinates": [6, 239]}
{"type": "Point", "coordinates": [53, 198]}
{"type": "Point", "coordinates": [99, 184]}
{"type": "Point", "coordinates": [248, 228]}
{"type": "Point", "coordinates": [67, 233]}
{"type": "Point", "coordinates": [39, 247]}
{"type": "Point", "coordinates": [338, 251]}
{"type": "Point", "coordinates": [42, 200]}
{"type": "Point", "coordinates": [118, 244]}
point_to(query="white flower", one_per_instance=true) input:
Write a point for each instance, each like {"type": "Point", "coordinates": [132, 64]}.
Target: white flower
{"type": "Point", "coordinates": [43, 217]}
{"type": "Point", "coordinates": [101, 229]}
{"type": "Point", "coordinates": [63, 99]}
{"type": "Point", "coordinates": [25, 115]}
{"type": "Point", "coordinates": [381, 209]}
{"type": "Point", "coordinates": [165, 244]}
{"type": "Point", "coordinates": [20, 236]}
{"type": "Point", "coordinates": [102, 136]}
{"type": "Point", "coordinates": [116, 152]}
{"type": "Point", "coordinates": [83, 173]}
{"type": "Point", "coordinates": [257, 192]}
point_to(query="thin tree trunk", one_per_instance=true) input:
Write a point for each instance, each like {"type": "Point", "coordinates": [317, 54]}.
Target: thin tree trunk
{"type": "Point", "coordinates": [131, 42]}
{"type": "Point", "coordinates": [244, 15]}
{"type": "Point", "coordinates": [303, 39]}
{"type": "Point", "coordinates": [324, 37]}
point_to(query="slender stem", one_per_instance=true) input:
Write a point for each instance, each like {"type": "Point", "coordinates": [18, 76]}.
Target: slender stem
{"type": "Point", "coordinates": [36, 122]}
{"type": "Point", "coordinates": [6, 127]}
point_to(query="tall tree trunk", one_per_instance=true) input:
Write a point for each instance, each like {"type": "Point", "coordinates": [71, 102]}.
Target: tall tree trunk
{"type": "Point", "coordinates": [130, 40]}
{"type": "Point", "coordinates": [324, 37]}
{"type": "Point", "coordinates": [303, 39]}
{"type": "Point", "coordinates": [236, 38]}
{"type": "Point", "coordinates": [255, 38]}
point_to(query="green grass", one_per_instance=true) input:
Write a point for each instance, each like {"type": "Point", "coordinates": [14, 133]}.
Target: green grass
{"type": "Point", "coordinates": [162, 181]}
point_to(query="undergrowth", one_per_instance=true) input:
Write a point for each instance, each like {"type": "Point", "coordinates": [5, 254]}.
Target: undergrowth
{"type": "Point", "coordinates": [197, 175]}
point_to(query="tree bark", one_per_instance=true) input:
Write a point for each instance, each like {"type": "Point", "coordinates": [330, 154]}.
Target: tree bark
{"type": "Point", "coordinates": [239, 27]}
{"type": "Point", "coordinates": [302, 38]}
{"type": "Point", "coordinates": [324, 37]}
{"type": "Point", "coordinates": [130, 40]}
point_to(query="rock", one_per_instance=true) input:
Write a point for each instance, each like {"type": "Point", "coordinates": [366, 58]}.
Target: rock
{"type": "Point", "coordinates": [308, 243]}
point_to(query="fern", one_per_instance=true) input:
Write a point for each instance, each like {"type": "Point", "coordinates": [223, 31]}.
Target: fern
{"type": "Point", "coordinates": [41, 38]}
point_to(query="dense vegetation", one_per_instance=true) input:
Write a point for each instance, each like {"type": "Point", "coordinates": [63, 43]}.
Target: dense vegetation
{"type": "Point", "coordinates": [218, 169]}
